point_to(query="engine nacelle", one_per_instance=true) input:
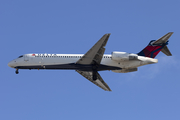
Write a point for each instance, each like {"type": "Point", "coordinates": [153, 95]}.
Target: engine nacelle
{"type": "Point", "coordinates": [125, 70]}
{"type": "Point", "coordinates": [123, 56]}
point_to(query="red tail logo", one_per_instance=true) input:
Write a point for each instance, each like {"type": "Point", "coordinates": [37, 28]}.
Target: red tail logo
{"type": "Point", "coordinates": [151, 50]}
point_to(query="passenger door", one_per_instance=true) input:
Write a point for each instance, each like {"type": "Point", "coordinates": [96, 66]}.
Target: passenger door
{"type": "Point", "coordinates": [26, 58]}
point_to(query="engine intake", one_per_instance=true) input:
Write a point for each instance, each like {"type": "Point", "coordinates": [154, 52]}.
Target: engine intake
{"type": "Point", "coordinates": [123, 56]}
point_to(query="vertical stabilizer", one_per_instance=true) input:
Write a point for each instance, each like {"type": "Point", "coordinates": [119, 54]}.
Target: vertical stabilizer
{"type": "Point", "coordinates": [155, 46]}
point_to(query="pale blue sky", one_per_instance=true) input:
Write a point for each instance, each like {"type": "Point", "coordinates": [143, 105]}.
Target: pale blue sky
{"type": "Point", "coordinates": [41, 26]}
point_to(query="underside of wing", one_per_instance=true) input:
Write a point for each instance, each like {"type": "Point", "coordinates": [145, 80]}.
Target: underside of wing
{"type": "Point", "coordinates": [99, 81]}
{"type": "Point", "coordinates": [95, 54]}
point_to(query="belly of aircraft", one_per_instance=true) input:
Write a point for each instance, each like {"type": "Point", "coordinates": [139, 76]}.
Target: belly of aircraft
{"type": "Point", "coordinates": [70, 66]}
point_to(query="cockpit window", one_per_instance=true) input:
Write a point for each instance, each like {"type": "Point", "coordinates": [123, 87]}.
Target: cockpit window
{"type": "Point", "coordinates": [20, 56]}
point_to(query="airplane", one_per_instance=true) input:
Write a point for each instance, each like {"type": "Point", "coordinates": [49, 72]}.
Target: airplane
{"type": "Point", "coordinates": [95, 60]}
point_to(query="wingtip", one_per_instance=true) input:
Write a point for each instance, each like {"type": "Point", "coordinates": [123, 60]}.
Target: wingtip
{"type": "Point", "coordinates": [108, 34]}
{"type": "Point", "coordinates": [171, 32]}
{"type": "Point", "coordinates": [108, 88]}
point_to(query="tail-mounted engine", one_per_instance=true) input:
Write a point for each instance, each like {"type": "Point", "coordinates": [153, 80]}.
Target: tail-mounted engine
{"type": "Point", "coordinates": [123, 56]}
{"type": "Point", "coordinates": [125, 70]}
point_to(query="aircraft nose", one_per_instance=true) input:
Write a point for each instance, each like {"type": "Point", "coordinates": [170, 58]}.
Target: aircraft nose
{"type": "Point", "coordinates": [11, 64]}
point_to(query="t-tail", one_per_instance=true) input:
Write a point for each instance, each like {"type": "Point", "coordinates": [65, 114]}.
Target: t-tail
{"type": "Point", "coordinates": [155, 46]}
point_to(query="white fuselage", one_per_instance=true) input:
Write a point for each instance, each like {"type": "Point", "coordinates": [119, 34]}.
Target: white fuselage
{"type": "Point", "coordinates": [95, 60]}
{"type": "Point", "coordinates": [68, 61]}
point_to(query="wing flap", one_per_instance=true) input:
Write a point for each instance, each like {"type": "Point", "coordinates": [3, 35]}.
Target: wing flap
{"type": "Point", "coordinates": [99, 82]}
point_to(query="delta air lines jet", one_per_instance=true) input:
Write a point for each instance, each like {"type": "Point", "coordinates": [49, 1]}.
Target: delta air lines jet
{"type": "Point", "coordinates": [95, 60]}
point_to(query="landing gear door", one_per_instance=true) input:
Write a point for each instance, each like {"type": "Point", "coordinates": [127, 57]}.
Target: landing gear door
{"type": "Point", "coordinates": [26, 58]}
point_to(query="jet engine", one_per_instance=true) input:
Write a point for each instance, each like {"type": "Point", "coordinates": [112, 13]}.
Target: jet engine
{"type": "Point", "coordinates": [125, 70]}
{"type": "Point", "coordinates": [123, 56]}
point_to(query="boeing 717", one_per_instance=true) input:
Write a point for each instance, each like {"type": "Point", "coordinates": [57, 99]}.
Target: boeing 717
{"type": "Point", "coordinates": [95, 60]}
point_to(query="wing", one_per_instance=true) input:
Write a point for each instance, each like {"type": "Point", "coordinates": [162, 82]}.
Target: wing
{"type": "Point", "coordinates": [95, 53]}
{"type": "Point", "coordinates": [94, 56]}
{"type": "Point", "coordinates": [99, 82]}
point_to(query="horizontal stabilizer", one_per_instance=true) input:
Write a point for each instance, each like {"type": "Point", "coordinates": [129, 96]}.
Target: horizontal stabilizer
{"type": "Point", "coordinates": [155, 46]}
{"type": "Point", "coordinates": [166, 51]}
{"type": "Point", "coordinates": [163, 39]}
